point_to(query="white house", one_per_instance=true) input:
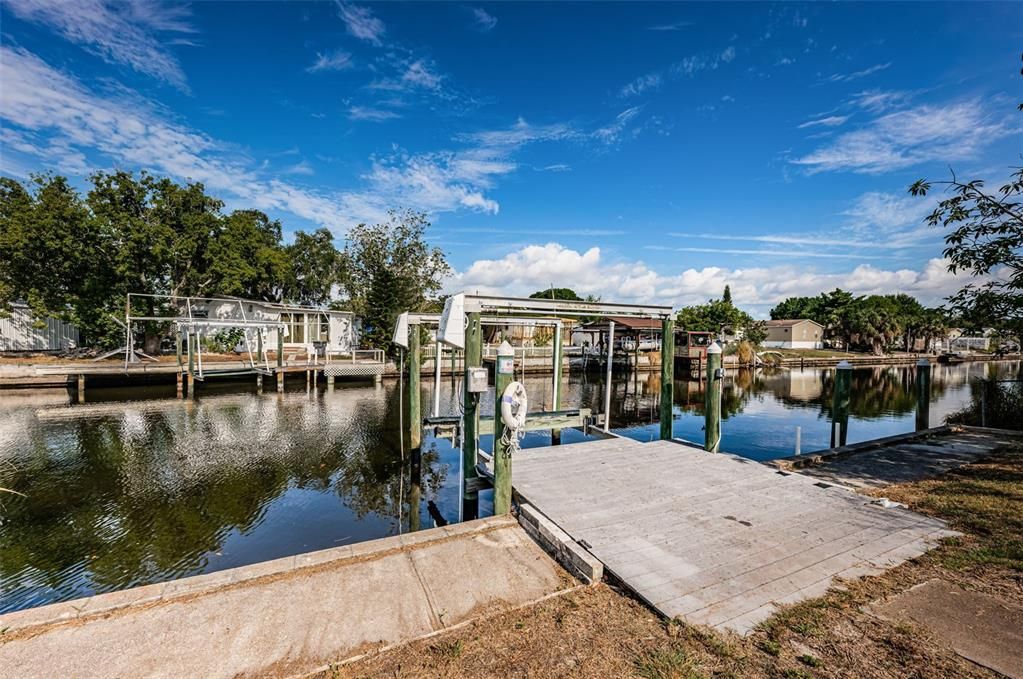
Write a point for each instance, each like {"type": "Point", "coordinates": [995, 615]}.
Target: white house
{"type": "Point", "coordinates": [799, 333]}
{"type": "Point", "coordinates": [304, 327]}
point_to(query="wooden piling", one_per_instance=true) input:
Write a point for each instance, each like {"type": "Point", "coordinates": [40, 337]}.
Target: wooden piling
{"type": "Point", "coordinates": [471, 358]}
{"type": "Point", "coordinates": [923, 394]}
{"type": "Point", "coordinates": [180, 379]}
{"type": "Point", "coordinates": [712, 400]}
{"type": "Point", "coordinates": [81, 388]}
{"type": "Point", "coordinates": [667, 415]}
{"type": "Point", "coordinates": [840, 404]}
{"type": "Point", "coordinates": [413, 393]}
{"type": "Point", "coordinates": [504, 374]}
{"type": "Point", "coordinates": [556, 387]}
{"type": "Point", "coordinates": [280, 359]}
{"type": "Point", "coordinates": [190, 385]}
{"type": "Point", "coordinates": [259, 383]}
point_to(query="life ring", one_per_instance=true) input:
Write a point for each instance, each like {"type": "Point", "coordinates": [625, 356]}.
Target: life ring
{"type": "Point", "coordinates": [513, 406]}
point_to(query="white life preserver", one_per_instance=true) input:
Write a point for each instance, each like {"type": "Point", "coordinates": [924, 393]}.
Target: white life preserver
{"type": "Point", "coordinates": [513, 406]}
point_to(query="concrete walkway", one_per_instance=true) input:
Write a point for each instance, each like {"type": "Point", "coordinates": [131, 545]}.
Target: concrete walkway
{"type": "Point", "coordinates": [902, 458]}
{"type": "Point", "coordinates": [289, 616]}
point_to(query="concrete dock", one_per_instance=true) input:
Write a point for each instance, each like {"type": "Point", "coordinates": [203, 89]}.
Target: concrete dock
{"type": "Point", "coordinates": [714, 538]}
{"type": "Point", "coordinates": [290, 616]}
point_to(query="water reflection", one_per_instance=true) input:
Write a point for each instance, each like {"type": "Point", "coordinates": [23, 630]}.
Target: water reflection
{"type": "Point", "coordinates": [137, 487]}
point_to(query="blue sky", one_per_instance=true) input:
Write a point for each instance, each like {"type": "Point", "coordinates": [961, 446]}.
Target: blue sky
{"type": "Point", "coordinates": [641, 152]}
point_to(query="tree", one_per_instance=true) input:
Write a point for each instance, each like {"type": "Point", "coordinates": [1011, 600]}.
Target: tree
{"type": "Point", "coordinates": [317, 267]}
{"type": "Point", "coordinates": [246, 258]}
{"type": "Point", "coordinates": [755, 333]}
{"type": "Point", "coordinates": [712, 316]}
{"type": "Point", "coordinates": [727, 296]}
{"type": "Point", "coordinates": [390, 269]}
{"type": "Point", "coordinates": [557, 293]}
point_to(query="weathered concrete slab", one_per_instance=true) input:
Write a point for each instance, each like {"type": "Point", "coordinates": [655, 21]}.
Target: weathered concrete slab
{"type": "Point", "coordinates": [289, 616]}
{"type": "Point", "coordinates": [714, 538]}
{"type": "Point", "coordinates": [901, 459]}
{"type": "Point", "coordinates": [977, 626]}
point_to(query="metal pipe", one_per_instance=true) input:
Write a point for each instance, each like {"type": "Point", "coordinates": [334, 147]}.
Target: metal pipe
{"type": "Point", "coordinates": [436, 377]}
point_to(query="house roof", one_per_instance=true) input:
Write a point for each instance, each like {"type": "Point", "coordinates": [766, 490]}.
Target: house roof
{"type": "Point", "coordinates": [626, 322]}
{"type": "Point", "coordinates": [789, 322]}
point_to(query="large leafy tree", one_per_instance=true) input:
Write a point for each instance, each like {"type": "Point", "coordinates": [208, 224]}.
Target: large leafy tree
{"type": "Point", "coordinates": [390, 269]}
{"type": "Point", "coordinates": [557, 293]}
{"type": "Point", "coordinates": [712, 316]}
{"type": "Point", "coordinates": [246, 258]}
{"type": "Point", "coordinates": [317, 267]}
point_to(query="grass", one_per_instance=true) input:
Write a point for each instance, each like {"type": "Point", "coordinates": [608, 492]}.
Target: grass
{"type": "Point", "coordinates": [601, 632]}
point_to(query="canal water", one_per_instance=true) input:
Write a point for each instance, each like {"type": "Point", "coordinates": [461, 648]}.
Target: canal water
{"type": "Point", "coordinates": [136, 486]}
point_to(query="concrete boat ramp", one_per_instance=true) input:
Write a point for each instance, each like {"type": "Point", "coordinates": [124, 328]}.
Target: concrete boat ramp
{"type": "Point", "coordinates": [713, 538]}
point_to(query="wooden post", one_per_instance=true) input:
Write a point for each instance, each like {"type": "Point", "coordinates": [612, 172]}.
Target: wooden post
{"type": "Point", "coordinates": [415, 495]}
{"type": "Point", "coordinates": [316, 377]}
{"type": "Point", "coordinates": [504, 375]}
{"type": "Point", "coordinates": [415, 415]}
{"type": "Point", "coordinates": [177, 347]}
{"type": "Point", "coordinates": [259, 383]}
{"type": "Point", "coordinates": [190, 387]}
{"type": "Point", "coordinates": [667, 415]}
{"type": "Point", "coordinates": [712, 400]}
{"type": "Point", "coordinates": [556, 397]}
{"type": "Point", "coordinates": [330, 382]}
{"type": "Point", "coordinates": [259, 345]}
{"type": "Point", "coordinates": [81, 388]}
{"type": "Point", "coordinates": [923, 394]}
{"type": "Point", "coordinates": [179, 384]}
{"type": "Point", "coordinates": [280, 359]}
{"type": "Point", "coordinates": [840, 404]}
{"type": "Point", "coordinates": [471, 358]}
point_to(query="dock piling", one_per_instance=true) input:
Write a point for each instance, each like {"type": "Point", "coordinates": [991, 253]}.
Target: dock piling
{"type": "Point", "coordinates": [259, 383]}
{"type": "Point", "coordinates": [471, 358]}
{"type": "Point", "coordinates": [556, 396]}
{"type": "Point", "coordinates": [81, 388]}
{"type": "Point", "coordinates": [923, 394]}
{"type": "Point", "coordinates": [607, 379]}
{"type": "Point", "coordinates": [504, 374]}
{"type": "Point", "coordinates": [840, 404]}
{"type": "Point", "coordinates": [712, 402]}
{"type": "Point", "coordinates": [667, 415]}
{"type": "Point", "coordinates": [415, 419]}
{"type": "Point", "coordinates": [179, 383]}
{"type": "Point", "coordinates": [280, 359]}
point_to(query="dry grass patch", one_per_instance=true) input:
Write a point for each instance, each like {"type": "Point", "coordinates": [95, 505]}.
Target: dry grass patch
{"type": "Point", "coordinates": [602, 632]}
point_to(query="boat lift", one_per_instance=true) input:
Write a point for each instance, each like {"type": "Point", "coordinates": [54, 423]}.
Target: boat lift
{"type": "Point", "coordinates": [459, 327]}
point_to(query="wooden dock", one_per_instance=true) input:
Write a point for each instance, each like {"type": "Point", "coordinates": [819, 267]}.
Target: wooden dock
{"type": "Point", "coordinates": [714, 538]}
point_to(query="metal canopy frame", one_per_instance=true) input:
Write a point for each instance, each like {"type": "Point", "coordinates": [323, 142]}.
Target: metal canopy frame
{"type": "Point", "coordinates": [530, 306]}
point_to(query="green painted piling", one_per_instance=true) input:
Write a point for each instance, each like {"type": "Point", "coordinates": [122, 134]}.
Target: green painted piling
{"type": "Point", "coordinates": [472, 357]}
{"type": "Point", "coordinates": [413, 394]}
{"type": "Point", "coordinates": [840, 404]}
{"type": "Point", "coordinates": [712, 400]}
{"type": "Point", "coordinates": [923, 394]}
{"type": "Point", "coordinates": [667, 377]}
{"type": "Point", "coordinates": [504, 375]}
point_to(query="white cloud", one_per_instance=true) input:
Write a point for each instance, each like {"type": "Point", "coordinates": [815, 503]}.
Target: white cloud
{"type": "Point", "coordinates": [676, 26]}
{"type": "Point", "coordinates": [830, 121]}
{"type": "Point", "coordinates": [484, 20]}
{"type": "Point", "coordinates": [118, 32]}
{"type": "Point", "coordinates": [611, 133]}
{"type": "Point", "coordinates": [337, 60]}
{"type": "Point", "coordinates": [361, 23]}
{"type": "Point", "coordinates": [878, 101]}
{"type": "Point", "coordinates": [421, 74]}
{"type": "Point", "coordinates": [649, 81]}
{"type": "Point", "coordinates": [909, 137]}
{"type": "Point", "coordinates": [52, 116]}
{"type": "Point", "coordinates": [301, 167]}
{"type": "Point", "coordinates": [371, 114]}
{"type": "Point", "coordinates": [856, 75]}
{"type": "Point", "coordinates": [536, 266]}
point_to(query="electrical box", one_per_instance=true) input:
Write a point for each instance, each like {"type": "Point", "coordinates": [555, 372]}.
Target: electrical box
{"type": "Point", "coordinates": [477, 382]}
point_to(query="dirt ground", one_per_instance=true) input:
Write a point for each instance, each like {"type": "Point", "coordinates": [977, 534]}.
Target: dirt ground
{"type": "Point", "coordinates": [601, 631]}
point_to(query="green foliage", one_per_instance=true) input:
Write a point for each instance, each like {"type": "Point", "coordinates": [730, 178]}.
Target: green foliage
{"type": "Point", "coordinates": [557, 293]}
{"type": "Point", "coordinates": [755, 333]}
{"type": "Point", "coordinates": [726, 297]}
{"type": "Point", "coordinates": [712, 316]}
{"type": "Point", "coordinates": [389, 269]}
{"type": "Point", "coordinates": [875, 322]}
{"type": "Point", "coordinates": [992, 404]}
{"type": "Point", "coordinates": [77, 259]}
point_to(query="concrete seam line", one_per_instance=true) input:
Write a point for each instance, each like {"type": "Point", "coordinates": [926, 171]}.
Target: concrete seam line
{"type": "Point", "coordinates": [429, 635]}
{"type": "Point", "coordinates": [437, 620]}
